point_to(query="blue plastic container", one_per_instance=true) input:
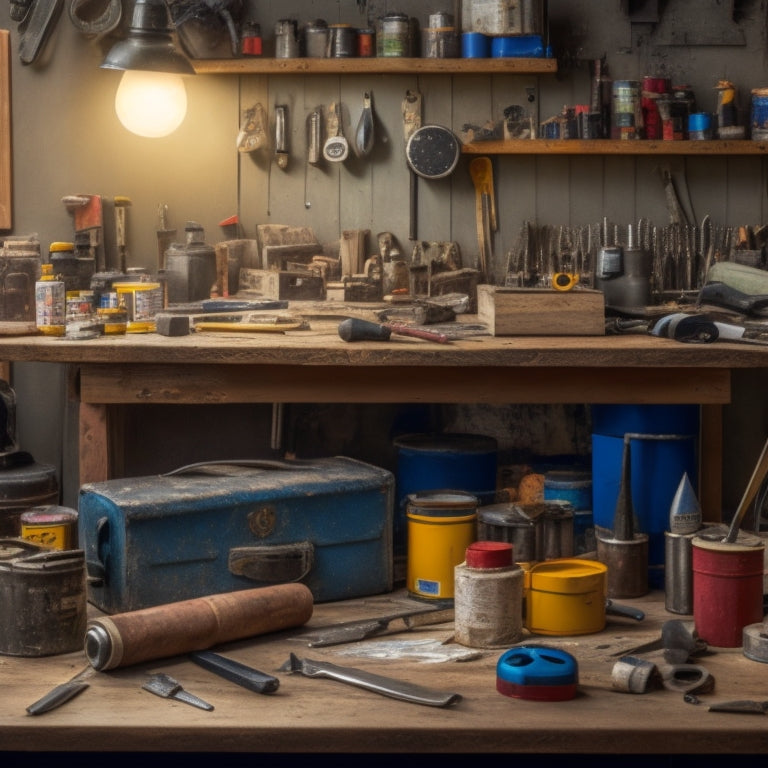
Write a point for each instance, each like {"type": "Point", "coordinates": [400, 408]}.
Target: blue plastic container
{"type": "Point", "coordinates": [668, 450]}
{"type": "Point", "coordinates": [434, 462]}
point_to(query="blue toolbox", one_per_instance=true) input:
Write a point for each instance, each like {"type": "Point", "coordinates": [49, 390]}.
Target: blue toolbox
{"type": "Point", "coordinates": [227, 525]}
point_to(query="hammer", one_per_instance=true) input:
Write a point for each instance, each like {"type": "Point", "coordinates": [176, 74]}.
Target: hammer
{"type": "Point", "coordinates": [356, 329]}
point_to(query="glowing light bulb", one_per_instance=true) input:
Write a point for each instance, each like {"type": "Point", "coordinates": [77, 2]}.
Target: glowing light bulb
{"type": "Point", "coordinates": [151, 104]}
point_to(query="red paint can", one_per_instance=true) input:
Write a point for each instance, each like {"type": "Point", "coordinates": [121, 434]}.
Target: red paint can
{"type": "Point", "coordinates": [727, 587]}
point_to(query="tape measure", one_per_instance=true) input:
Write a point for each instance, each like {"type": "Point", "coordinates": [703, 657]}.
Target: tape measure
{"type": "Point", "coordinates": [564, 281]}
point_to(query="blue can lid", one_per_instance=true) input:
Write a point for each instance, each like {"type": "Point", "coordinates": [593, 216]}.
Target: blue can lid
{"type": "Point", "coordinates": [537, 665]}
{"type": "Point", "coordinates": [699, 121]}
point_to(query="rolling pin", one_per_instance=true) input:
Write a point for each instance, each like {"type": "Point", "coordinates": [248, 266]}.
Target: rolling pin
{"type": "Point", "coordinates": [356, 329]}
{"type": "Point", "coordinates": [194, 625]}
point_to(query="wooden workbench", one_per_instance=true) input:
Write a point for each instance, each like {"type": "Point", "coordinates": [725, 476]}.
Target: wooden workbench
{"type": "Point", "coordinates": [316, 366]}
{"type": "Point", "coordinates": [310, 715]}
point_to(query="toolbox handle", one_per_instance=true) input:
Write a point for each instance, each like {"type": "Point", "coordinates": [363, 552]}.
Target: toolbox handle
{"type": "Point", "coordinates": [96, 570]}
{"type": "Point", "coordinates": [257, 463]}
{"type": "Point", "coordinates": [273, 563]}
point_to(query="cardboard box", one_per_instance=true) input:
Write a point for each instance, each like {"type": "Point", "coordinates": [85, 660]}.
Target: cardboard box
{"type": "Point", "coordinates": [541, 311]}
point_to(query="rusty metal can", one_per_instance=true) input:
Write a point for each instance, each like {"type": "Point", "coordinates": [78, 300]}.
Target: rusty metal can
{"type": "Point", "coordinates": [366, 43]}
{"type": "Point", "coordinates": [342, 41]}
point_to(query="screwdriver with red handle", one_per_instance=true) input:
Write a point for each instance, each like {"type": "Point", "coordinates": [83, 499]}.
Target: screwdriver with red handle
{"type": "Point", "coordinates": [357, 329]}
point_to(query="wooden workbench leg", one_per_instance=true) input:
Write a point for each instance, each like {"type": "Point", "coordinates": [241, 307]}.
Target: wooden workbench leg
{"type": "Point", "coordinates": [711, 463]}
{"type": "Point", "coordinates": [93, 443]}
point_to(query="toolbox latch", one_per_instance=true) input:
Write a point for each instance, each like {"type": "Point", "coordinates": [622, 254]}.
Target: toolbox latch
{"type": "Point", "coordinates": [273, 563]}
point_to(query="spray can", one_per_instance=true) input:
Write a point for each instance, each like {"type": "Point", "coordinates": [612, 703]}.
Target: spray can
{"type": "Point", "coordinates": [50, 303]}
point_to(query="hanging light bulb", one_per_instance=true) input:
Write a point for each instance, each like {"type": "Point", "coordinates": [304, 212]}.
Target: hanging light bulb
{"type": "Point", "coordinates": [151, 99]}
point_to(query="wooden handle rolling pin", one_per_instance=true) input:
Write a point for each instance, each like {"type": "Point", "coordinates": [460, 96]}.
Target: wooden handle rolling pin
{"type": "Point", "coordinates": [194, 625]}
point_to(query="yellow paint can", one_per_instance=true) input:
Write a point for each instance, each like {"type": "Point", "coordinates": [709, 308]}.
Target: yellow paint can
{"type": "Point", "coordinates": [50, 526]}
{"type": "Point", "coordinates": [566, 597]}
{"type": "Point", "coordinates": [441, 525]}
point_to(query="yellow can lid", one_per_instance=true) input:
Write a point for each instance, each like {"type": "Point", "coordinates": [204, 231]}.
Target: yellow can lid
{"type": "Point", "coordinates": [567, 575]}
{"type": "Point", "coordinates": [58, 247]}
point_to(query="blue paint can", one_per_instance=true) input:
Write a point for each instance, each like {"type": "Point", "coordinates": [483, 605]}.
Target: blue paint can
{"type": "Point", "coordinates": [759, 114]}
{"type": "Point", "coordinates": [665, 449]}
{"type": "Point", "coordinates": [475, 45]}
{"type": "Point", "coordinates": [427, 462]}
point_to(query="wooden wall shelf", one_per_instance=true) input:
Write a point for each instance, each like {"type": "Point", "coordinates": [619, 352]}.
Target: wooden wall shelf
{"type": "Point", "coordinates": [615, 147]}
{"type": "Point", "coordinates": [375, 65]}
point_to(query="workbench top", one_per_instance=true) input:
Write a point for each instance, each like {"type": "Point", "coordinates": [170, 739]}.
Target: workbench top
{"type": "Point", "coordinates": [320, 345]}
{"type": "Point", "coordinates": [320, 715]}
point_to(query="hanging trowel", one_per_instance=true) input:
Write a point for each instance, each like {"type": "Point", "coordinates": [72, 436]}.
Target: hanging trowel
{"type": "Point", "coordinates": [364, 134]}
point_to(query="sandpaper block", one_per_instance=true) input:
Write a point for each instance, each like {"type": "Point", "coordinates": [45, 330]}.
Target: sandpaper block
{"type": "Point", "coordinates": [172, 325]}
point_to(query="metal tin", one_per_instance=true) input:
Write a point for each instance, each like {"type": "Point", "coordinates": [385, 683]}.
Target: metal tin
{"type": "Point", "coordinates": [759, 114]}
{"type": "Point", "coordinates": [566, 597]}
{"type": "Point", "coordinates": [475, 45]}
{"type": "Point", "coordinates": [24, 486]}
{"type": "Point", "coordinates": [287, 39]}
{"type": "Point", "coordinates": [441, 526]}
{"type": "Point", "coordinates": [316, 39]}
{"type": "Point", "coordinates": [366, 43]}
{"type": "Point", "coordinates": [678, 572]}
{"type": "Point", "coordinates": [513, 523]}
{"type": "Point", "coordinates": [44, 590]}
{"type": "Point", "coordinates": [393, 35]}
{"type": "Point", "coordinates": [440, 43]}
{"type": "Point", "coordinates": [142, 302]}
{"type": "Point", "coordinates": [50, 526]}
{"type": "Point", "coordinates": [342, 39]}
{"type": "Point", "coordinates": [727, 587]}
{"type": "Point", "coordinates": [20, 266]}
{"type": "Point", "coordinates": [114, 320]}
{"type": "Point", "coordinates": [626, 110]}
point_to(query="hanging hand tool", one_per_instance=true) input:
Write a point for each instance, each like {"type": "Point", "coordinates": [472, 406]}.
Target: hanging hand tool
{"type": "Point", "coordinates": [281, 141]}
{"type": "Point", "coordinates": [481, 171]}
{"type": "Point", "coordinates": [235, 672]}
{"type": "Point", "coordinates": [165, 686]}
{"type": "Point", "coordinates": [357, 329]}
{"type": "Point", "coordinates": [386, 686]}
{"type": "Point", "coordinates": [411, 109]}
{"type": "Point", "coordinates": [36, 27]}
{"type": "Point", "coordinates": [364, 134]}
{"type": "Point", "coordinates": [336, 147]}
{"type": "Point", "coordinates": [253, 129]}
{"type": "Point", "coordinates": [121, 203]}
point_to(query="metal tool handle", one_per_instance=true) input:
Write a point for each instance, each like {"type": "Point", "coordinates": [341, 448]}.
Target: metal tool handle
{"type": "Point", "coordinates": [386, 686]}
{"type": "Point", "coordinates": [758, 475]}
{"type": "Point", "coordinates": [56, 697]}
{"type": "Point", "coordinates": [235, 672]}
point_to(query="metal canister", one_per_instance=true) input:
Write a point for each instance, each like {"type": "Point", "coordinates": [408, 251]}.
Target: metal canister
{"type": "Point", "coordinates": [366, 43]}
{"type": "Point", "coordinates": [393, 35]}
{"type": "Point", "coordinates": [44, 590]}
{"type": "Point", "coordinates": [342, 41]}
{"type": "Point", "coordinates": [759, 114]}
{"type": "Point", "coordinates": [626, 110]}
{"type": "Point", "coordinates": [316, 39]}
{"type": "Point", "coordinates": [441, 526]}
{"type": "Point", "coordinates": [287, 39]}
{"type": "Point", "coordinates": [513, 523]}
{"type": "Point", "coordinates": [50, 526]}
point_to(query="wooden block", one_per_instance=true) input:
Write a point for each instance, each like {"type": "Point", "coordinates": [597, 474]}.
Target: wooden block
{"type": "Point", "coordinates": [541, 311]}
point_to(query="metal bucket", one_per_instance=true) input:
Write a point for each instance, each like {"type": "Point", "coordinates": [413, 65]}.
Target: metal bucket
{"type": "Point", "coordinates": [44, 591]}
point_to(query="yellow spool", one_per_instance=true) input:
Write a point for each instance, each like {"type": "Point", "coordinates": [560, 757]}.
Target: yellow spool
{"type": "Point", "coordinates": [566, 597]}
{"type": "Point", "coordinates": [441, 525]}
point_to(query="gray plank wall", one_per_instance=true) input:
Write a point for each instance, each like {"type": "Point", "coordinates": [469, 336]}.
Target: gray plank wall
{"type": "Point", "coordinates": [67, 140]}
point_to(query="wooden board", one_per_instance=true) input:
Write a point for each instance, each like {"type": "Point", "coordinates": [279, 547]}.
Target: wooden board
{"type": "Point", "coordinates": [541, 311]}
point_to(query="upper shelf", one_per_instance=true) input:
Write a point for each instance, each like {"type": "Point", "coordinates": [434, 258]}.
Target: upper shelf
{"type": "Point", "coordinates": [374, 65]}
{"type": "Point", "coordinates": [615, 147]}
